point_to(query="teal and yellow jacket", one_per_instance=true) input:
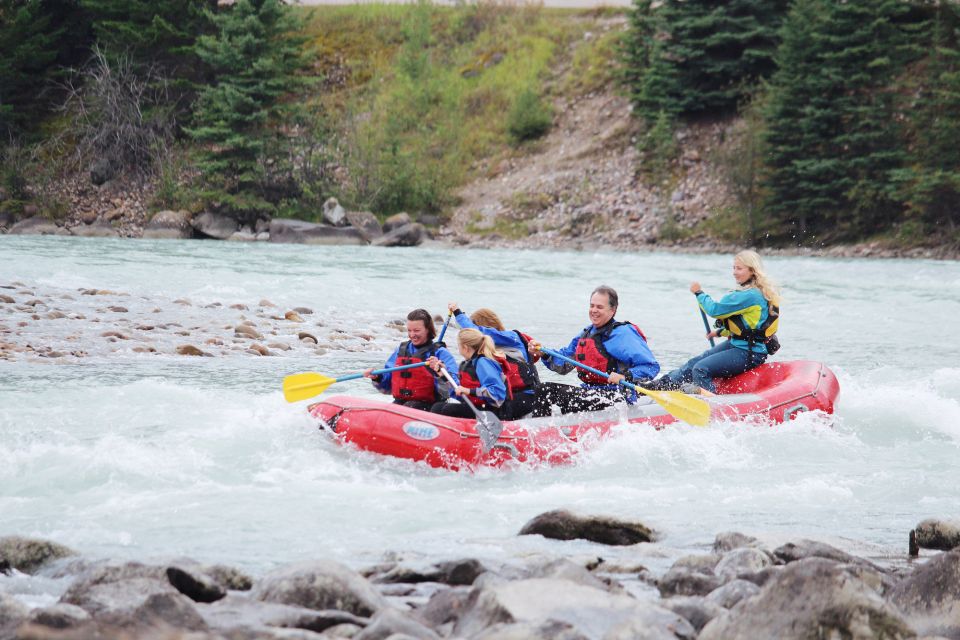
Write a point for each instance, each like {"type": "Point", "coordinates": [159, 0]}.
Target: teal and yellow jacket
{"type": "Point", "coordinates": [746, 306]}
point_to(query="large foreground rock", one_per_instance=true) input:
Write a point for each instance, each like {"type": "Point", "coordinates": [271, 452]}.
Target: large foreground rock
{"type": "Point", "coordinates": [812, 598]}
{"type": "Point", "coordinates": [593, 613]}
{"type": "Point", "coordinates": [930, 598]}
{"type": "Point", "coordinates": [169, 225]}
{"type": "Point", "coordinates": [301, 232]}
{"type": "Point", "coordinates": [564, 525]}
{"type": "Point", "coordinates": [323, 584]}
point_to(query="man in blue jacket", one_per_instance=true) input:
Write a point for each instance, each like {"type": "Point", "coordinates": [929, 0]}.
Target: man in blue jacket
{"type": "Point", "coordinates": [617, 348]}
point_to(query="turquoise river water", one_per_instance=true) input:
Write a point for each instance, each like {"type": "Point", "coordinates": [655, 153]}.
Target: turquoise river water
{"type": "Point", "coordinates": [125, 454]}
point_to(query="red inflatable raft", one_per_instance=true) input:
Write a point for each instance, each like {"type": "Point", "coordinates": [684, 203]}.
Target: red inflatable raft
{"type": "Point", "coordinates": [772, 393]}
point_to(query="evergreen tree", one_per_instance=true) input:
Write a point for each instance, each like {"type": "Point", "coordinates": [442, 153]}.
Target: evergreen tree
{"type": "Point", "coordinates": [831, 129]}
{"type": "Point", "coordinates": [804, 180]}
{"type": "Point", "coordinates": [636, 49]}
{"type": "Point", "coordinates": [708, 53]}
{"type": "Point", "coordinates": [931, 184]}
{"type": "Point", "coordinates": [28, 46]}
{"type": "Point", "coordinates": [865, 49]}
{"type": "Point", "coordinates": [160, 33]}
{"type": "Point", "coordinates": [255, 57]}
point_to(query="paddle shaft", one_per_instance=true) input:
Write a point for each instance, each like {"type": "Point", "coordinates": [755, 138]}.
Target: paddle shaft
{"type": "Point", "coordinates": [706, 325]}
{"type": "Point", "coordinates": [682, 407]}
{"type": "Point", "coordinates": [446, 324]}
{"type": "Point", "coordinates": [354, 376]}
{"type": "Point", "coordinates": [454, 385]}
{"type": "Point", "coordinates": [560, 356]}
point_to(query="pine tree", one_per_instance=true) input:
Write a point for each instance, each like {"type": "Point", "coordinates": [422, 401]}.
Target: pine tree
{"type": "Point", "coordinates": [931, 184]}
{"type": "Point", "coordinates": [709, 53]}
{"type": "Point", "coordinates": [151, 32]}
{"type": "Point", "coordinates": [636, 49]}
{"type": "Point", "coordinates": [803, 179]}
{"type": "Point", "coordinates": [255, 57]}
{"type": "Point", "coordinates": [864, 48]}
{"type": "Point", "coordinates": [832, 135]}
{"type": "Point", "coordinates": [29, 50]}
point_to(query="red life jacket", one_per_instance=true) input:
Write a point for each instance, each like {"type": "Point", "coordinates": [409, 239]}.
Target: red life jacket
{"type": "Point", "coordinates": [591, 352]}
{"type": "Point", "coordinates": [418, 383]}
{"type": "Point", "coordinates": [470, 379]}
{"type": "Point", "coordinates": [520, 373]}
{"type": "Point", "coordinates": [525, 339]}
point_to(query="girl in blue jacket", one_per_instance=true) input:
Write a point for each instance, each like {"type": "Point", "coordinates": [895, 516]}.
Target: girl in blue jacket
{"type": "Point", "coordinates": [481, 379]}
{"type": "Point", "coordinates": [748, 317]}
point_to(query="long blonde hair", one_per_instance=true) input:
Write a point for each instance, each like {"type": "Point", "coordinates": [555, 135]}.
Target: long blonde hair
{"type": "Point", "coordinates": [760, 280]}
{"type": "Point", "coordinates": [480, 343]}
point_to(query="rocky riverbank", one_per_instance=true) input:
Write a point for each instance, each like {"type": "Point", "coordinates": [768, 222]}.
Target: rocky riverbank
{"type": "Point", "coordinates": [743, 588]}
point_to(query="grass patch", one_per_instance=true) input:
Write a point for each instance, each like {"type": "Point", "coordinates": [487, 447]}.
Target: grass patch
{"type": "Point", "coordinates": [417, 94]}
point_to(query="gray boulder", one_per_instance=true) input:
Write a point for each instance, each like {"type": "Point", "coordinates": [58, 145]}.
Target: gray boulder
{"type": "Point", "coordinates": [169, 225]}
{"type": "Point", "coordinates": [396, 221]}
{"type": "Point", "coordinates": [388, 622]}
{"type": "Point", "coordinates": [793, 551]}
{"type": "Point", "coordinates": [564, 525]}
{"type": "Point", "coordinates": [13, 613]}
{"type": "Point", "coordinates": [243, 612]}
{"type": "Point", "coordinates": [549, 630]}
{"type": "Point", "coordinates": [301, 232]}
{"type": "Point", "coordinates": [322, 584]}
{"type": "Point", "coordinates": [99, 229]}
{"type": "Point", "coordinates": [29, 554]}
{"type": "Point", "coordinates": [811, 598]}
{"type": "Point", "coordinates": [334, 214]}
{"type": "Point", "coordinates": [194, 584]}
{"type": "Point", "coordinates": [409, 235]}
{"type": "Point", "coordinates": [214, 225]}
{"type": "Point", "coordinates": [728, 595]}
{"type": "Point", "coordinates": [444, 608]}
{"type": "Point", "coordinates": [938, 534]}
{"type": "Point", "coordinates": [366, 223]}
{"type": "Point", "coordinates": [591, 612]}
{"type": "Point", "coordinates": [452, 572]}
{"type": "Point", "coordinates": [117, 588]}
{"type": "Point", "coordinates": [37, 226]}
{"type": "Point", "coordinates": [684, 581]}
{"type": "Point", "coordinates": [696, 610]}
{"type": "Point", "coordinates": [730, 540]}
{"type": "Point", "coordinates": [740, 562]}
{"type": "Point", "coordinates": [930, 598]}
{"type": "Point", "coordinates": [59, 616]}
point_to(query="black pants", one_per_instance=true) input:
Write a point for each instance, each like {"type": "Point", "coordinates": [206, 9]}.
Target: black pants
{"type": "Point", "coordinates": [457, 409]}
{"type": "Point", "coordinates": [570, 399]}
{"type": "Point", "coordinates": [522, 404]}
{"type": "Point", "coordinates": [415, 404]}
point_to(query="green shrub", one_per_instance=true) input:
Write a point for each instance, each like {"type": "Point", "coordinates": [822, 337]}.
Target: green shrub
{"type": "Point", "coordinates": [529, 118]}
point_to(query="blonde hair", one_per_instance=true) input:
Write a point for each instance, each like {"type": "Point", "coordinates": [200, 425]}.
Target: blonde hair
{"type": "Point", "coordinates": [486, 318]}
{"type": "Point", "coordinates": [473, 339]}
{"type": "Point", "coordinates": [751, 260]}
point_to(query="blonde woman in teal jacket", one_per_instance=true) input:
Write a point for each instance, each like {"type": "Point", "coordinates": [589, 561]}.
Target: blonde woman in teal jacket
{"type": "Point", "coordinates": [748, 317]}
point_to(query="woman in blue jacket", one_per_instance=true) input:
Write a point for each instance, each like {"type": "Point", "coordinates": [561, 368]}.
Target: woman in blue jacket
{"type": "Point", "coordinates": [748, 316]}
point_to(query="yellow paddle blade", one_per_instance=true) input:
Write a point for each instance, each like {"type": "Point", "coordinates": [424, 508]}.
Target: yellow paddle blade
{"type": "Point", "coordinates": [691, 410]}
{"type": "Point", "coordinates": [301, 386]}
